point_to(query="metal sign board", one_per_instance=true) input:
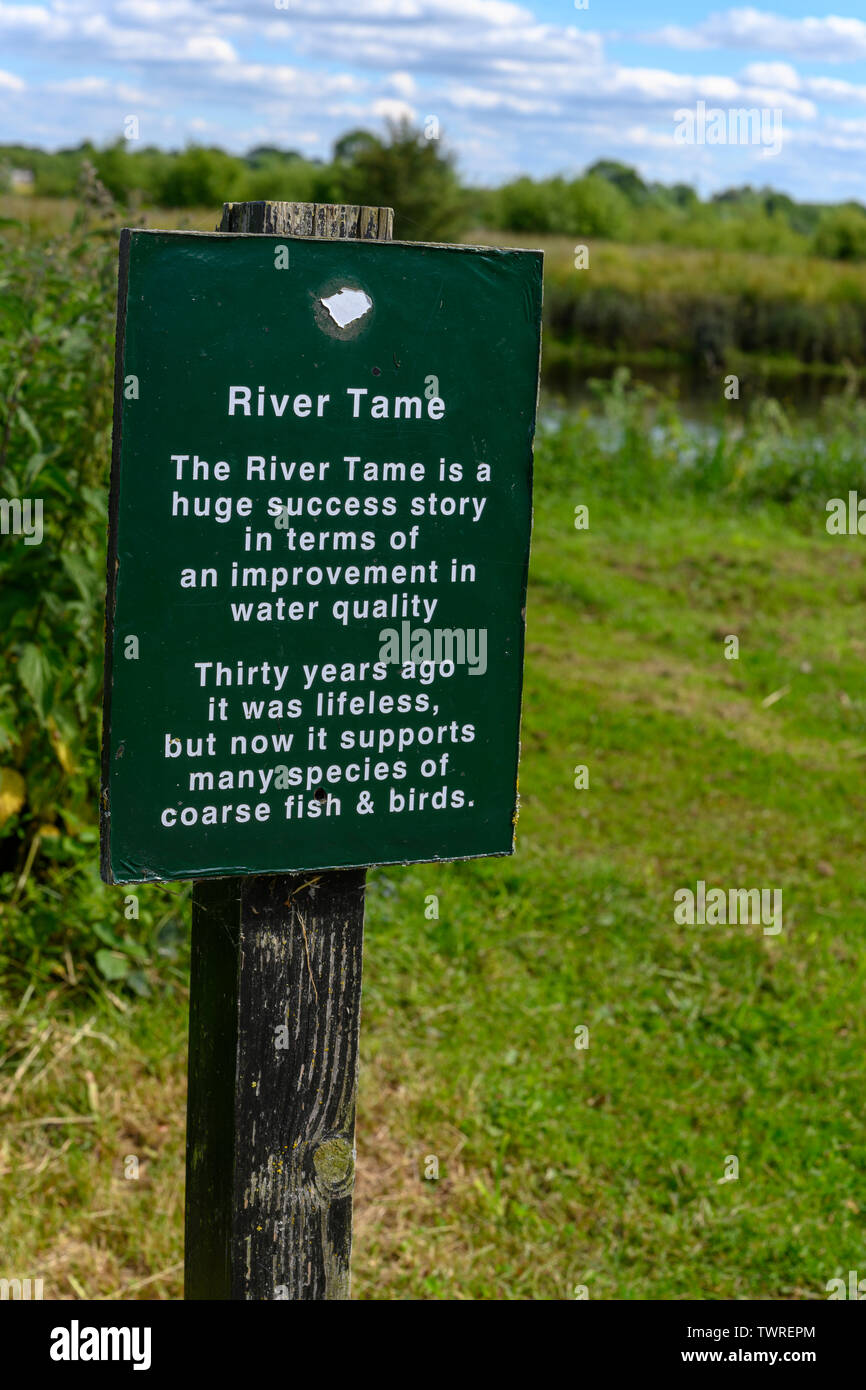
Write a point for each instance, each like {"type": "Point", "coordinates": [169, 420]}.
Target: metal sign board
{"type": "Point", "coordinates": [319, 539]}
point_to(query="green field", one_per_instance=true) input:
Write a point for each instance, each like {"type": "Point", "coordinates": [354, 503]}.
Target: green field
{"type": "Point", "coordinates": [601, 1167]}
{"type": "Point", "coordinates": [558, 1167]}
{"type": "Point", "coordinates": [710, 310]}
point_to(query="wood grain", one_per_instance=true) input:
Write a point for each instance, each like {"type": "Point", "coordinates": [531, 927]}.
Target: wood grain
{"type": "Point", "coordinates": [334, 221]}
{"type": "Point", "coordinates": [274, 1023]}
{"type": "Point", "coordinates": [275, 1010]}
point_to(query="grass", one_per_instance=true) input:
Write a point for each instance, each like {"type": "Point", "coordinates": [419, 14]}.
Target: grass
{"type": "Point", "coordinates": [678, 269]}
{"type": "Point", "coordinates": [40, 217]}
{"type": "Point", "coordinates": [716, 310]}
{"type": "Point", "coordinates": [557, 1167]}
{"type": "Point", "coordinates": [633, 270]}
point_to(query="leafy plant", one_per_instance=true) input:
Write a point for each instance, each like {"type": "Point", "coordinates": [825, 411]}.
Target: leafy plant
{"type": "Point", "coordinates": [56, 341]}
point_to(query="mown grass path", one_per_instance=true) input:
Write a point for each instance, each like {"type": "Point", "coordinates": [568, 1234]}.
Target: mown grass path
{"type": "Point", "coordinates": [559, 1167]}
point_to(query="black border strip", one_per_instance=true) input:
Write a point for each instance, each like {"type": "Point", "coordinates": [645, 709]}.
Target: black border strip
{"type": "Point", "coordinates": [111, 557]}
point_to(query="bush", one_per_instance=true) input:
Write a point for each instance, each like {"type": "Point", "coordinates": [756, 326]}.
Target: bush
{"type": "Point", "coordinates": [56, 341]}
{"type": "Point", "coordinates": [594, 207]}
{"type": "Point", "coordinates": [524, 206]}
{"type": "Point", "coordinates": [199, 177]}
{"type": "Point", "coordinates": [841, 234]}
{"type": "Point", "coordinates": [412, 175]}
{"type": "Point", "coordinates": [292, 181]}
{"type": "Point", "coordinates": [585, 207]}
{"type": "Point", "coordinates": [623, 178]}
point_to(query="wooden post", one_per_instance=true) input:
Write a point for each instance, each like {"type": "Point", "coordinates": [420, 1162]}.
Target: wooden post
{"type": "Point", "coordinates": [275, 1010]}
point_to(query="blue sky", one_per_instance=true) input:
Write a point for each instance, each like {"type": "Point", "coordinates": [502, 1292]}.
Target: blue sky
{"type": "Point", "coordinates": [536, 87]}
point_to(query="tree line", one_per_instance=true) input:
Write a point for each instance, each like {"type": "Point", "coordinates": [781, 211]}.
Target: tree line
{"type": "Point", "coordinates": [418, 177]}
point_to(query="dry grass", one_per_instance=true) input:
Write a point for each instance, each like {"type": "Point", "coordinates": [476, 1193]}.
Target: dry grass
{"type": "Point", "coordinates": [79, 1100]}
{"type": "Point", "coordinates": [638, 270]}
{"type": "Point", "coordinates": [41, 216]}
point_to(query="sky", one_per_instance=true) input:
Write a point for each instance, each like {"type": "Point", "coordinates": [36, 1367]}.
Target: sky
{"type": "Point", "coordinates": [542, 87]}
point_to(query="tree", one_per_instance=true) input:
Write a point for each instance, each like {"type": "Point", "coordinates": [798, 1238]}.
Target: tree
{"type": "Point", "coordinates": [199, 177]}
{"type": "Point", "coordinates": [355, 143]}
{"type": "Point", "coordinates": [682, 195]}
{"type": "Point", "coordinates": [114, 168]}
{"type": "Point", "coordinates": [594, 206]}
{"type": "Point", "coordinates": [409, 173]}
{"type": "Point", "coordinates": [526, 206]}
{"type": "Point", "coordinates": [270, 154]}
{"type": "Point", "coordinates": [841, 234]}
{"type": "Point", "coordinates": [623, 177]}
{"type": "Point", "coordinates": [745, 194]}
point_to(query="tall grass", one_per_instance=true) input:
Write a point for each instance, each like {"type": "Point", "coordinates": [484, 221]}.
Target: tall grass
{"type": "Point", "coordinates": [636, 445]}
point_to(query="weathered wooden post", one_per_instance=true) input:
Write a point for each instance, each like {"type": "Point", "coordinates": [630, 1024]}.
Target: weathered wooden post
{"type": "Point", "coordinates": [275, 1003]}
{"type": "Point", "coordinates": [276, 960]}
{"type": "Point", "coordinates": [315, 435]}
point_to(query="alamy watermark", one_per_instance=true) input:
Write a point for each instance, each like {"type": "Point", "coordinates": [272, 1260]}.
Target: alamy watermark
{"type": "Point", "coordinates": [20, 1290]}
{"type": "Point", "coordinates": [855, 1288]}
{"type": "Point", "coordinates": [718, 907]}
{"type": "Point", "coordinates": [77, 1343]}
{"type": "Point", "coordinates": [846, 516]}
{"type": "Point", "coordinates": [445, 647]}
{"type": "Point", "coordinates": [22, 516]}
{"type": "Point", "coordinates": [737, 126]}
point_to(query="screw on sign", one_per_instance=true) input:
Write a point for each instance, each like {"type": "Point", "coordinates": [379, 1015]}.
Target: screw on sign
{"type": "Point", "coordinates": [318, 547]}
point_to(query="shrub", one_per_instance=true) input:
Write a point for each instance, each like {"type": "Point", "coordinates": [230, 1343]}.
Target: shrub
{"type": "Point", "coordinates": [841, 234]}
{"type": "Point", "coordinates": [56, 340]}
{"type": "Point", "coordinates": [411, 174]}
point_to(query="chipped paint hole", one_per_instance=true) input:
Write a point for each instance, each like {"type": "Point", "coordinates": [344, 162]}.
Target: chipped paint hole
{"type": "Point", "coordinates": [320, 794]}
{"type": "Point", "coordinates": [347, 306]}
{"type": "Point", "coordinates": [377, 371]}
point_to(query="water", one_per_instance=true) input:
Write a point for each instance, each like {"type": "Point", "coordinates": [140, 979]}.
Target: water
{"type": "Point", "coordinates": [699, 393]}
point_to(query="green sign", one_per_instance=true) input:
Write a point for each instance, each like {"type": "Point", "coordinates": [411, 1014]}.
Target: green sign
{"type": "Point", "coordinates": [318, 551]}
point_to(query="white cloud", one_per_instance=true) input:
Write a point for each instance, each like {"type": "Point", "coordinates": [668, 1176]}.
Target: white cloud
{"type": "Point", "coordinates": [403, 83]}
{"type": "Point", "coordinates": [102, 87]}
{"type": "Point", "coordinates": [833, 38]}
{"type": "Point", "coordinates": [830, 90]}
{"type": "Point", "coordinates": [772, 75]}
{"type": "Point", "coordinates": [676, 36]}
{"type": "Point", "coordinates": [25, 17]}
{"type": "Point", "coordinates": [482, 99]}
{"type": "Point", "coordinates": [9, 82]}
{"type": "Point", "coordinates": [490, 13]}
{"type": "Point", "coordinates": [80, 29]}
{"type": "Point", "coordinates": [390, 109]}
{"type": "Point", "coordinates": [429, 35]}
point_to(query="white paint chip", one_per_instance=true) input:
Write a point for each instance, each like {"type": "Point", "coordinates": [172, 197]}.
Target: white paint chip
{"type": "Point", "coordinates": [347, 306]}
